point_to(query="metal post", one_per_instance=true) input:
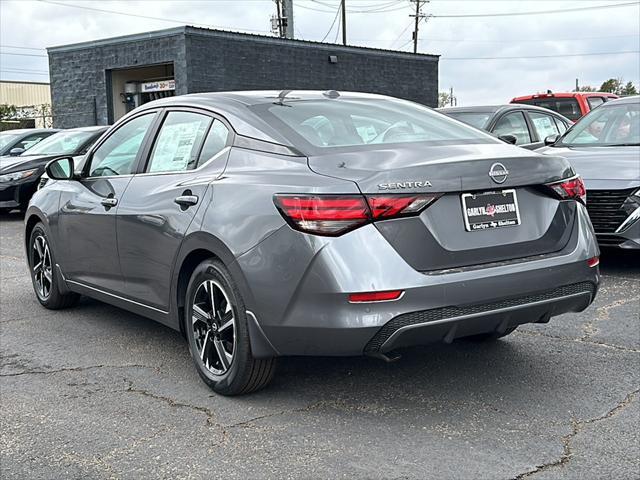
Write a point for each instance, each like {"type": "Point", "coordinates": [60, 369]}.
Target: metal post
{"type": "Point", "coordinates": [344, 22]}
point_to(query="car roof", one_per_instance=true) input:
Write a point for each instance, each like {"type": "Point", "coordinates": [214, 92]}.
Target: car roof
{"type": "Point", "coordinates": [233, 107]}
{"type": "Point", "coordinates": [97, 128]}
{"type": "Point", "coordinates": [22, 131]}
{"type": "Point", "coordinates": [499, 108]}
{"type": "Point", "coordinates": [564, 95]}
{"type": "Point", "coordinates": [623, 100]}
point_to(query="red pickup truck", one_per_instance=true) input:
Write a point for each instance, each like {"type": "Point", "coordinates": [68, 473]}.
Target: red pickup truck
{"type": "Point", "coordinates": [572, 105]}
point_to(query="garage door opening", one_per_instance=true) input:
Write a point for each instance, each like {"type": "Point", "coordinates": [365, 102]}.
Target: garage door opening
{"type": "Point", "coordinates": [132, 87]}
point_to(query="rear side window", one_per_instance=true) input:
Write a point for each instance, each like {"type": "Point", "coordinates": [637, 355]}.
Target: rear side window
{"type": "Point", "coordinates": [544, 124]}
{"type": "Point", "coordinates": [178, 143]}
{"type": "Point", "coordinates": [513, 124]}
{"type": "Point", "coordinates": [217, 139]}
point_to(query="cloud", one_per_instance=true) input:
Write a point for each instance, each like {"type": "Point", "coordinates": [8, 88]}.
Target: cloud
{"type": "Point", "coordinates": [30, 23]}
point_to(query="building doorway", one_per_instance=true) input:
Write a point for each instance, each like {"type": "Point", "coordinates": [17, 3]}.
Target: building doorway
{"type": "Point", "coordinates": [132, 87]}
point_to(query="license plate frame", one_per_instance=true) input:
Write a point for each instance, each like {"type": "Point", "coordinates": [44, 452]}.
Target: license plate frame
{"type": "Point", "coordinates": [510, 218]}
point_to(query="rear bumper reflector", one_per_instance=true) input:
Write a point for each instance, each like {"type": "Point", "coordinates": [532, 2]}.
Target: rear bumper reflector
{"type": "Point", "coordinates": [368, 297]}
{"type": "Point", "coordinates": [593, 261]}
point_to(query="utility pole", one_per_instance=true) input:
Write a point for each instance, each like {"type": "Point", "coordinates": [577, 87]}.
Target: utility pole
{"type": "Point", "coordinates": [287, 18]}
{"type": "Point", "coordinates": [344, 21]}
{"type": "Point", "coordinates": [419, 16]}
{"type": "Point", "coordinates": [282, 22]}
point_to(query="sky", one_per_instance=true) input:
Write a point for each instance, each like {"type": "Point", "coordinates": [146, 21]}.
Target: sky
{"type": "Point", "coordinates": [544, 50]}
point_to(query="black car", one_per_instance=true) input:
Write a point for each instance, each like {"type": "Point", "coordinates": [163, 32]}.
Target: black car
{"type": "Point", "coordinates": [19, 176]}
{"type": "Point", "coordinates": [604, 148]}
{"type": "Point", "coordinates": [527, 124]}
{"type": "Point", "coordinates": [16, 142]}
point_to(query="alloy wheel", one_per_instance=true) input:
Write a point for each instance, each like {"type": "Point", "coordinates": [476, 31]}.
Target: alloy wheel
{"type": "Point", "coordinates": [41, 267]}
{"type": "Point", "coordinates": [214, 327]}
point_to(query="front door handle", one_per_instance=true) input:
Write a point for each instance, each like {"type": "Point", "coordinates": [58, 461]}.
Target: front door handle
{"type": "Point", "coordinates": [186, 200]}
{"type": "Point", "coordinates": [109, 202]}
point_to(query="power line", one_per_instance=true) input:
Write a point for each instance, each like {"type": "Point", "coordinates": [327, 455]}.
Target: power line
{"type": "Point", "coordinates": [332, 24]}
{"type": "Point", "coordinates": [22, 48]}
{"type": "Point", "coordinates": [543, 56]}
{"type": "Point", "coordinates": [128, 14]}
{"type": "Point", "coordinates": [539, 12]}
{"type": "Point", "coordinates": [24, 54]}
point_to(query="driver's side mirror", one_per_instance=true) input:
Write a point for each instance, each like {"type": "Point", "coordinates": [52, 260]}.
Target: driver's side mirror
{"type": "Point", "coordinates": [551, 139]}
{"type": "Point", "coordinates": [14, 152]}
{"type": "Point", "coordinates": [508, 138]}
{"type": "Point", "coordinates": [60, 168]}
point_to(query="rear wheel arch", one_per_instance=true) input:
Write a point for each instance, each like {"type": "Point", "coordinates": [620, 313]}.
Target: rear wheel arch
{"type": "Point", "coordinates": [32, 220]}
{"type": "Point", "coordinates": [195, 249]}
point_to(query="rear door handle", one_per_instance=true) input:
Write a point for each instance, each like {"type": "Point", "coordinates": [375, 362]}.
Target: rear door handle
{"type": "Point", "coordinates": [109, 202]}
{"type": "Point", "coordinates": [186, 200]}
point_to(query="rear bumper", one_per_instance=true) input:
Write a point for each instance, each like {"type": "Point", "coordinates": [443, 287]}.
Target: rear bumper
{"type": "Point", "coordinates": [299, 286]}
{"type": "Point", "coordinates": [448, 323]}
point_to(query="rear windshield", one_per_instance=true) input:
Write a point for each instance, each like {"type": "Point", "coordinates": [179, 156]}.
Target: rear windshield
{"type": "Point", "coordinates": [360, 122]}
{"type": "Point", "coordinates": [475, 119]}
{"type": "Point", "coordinates": [564, 106]}
{"type": "Point", "coordinates": [606, 126]}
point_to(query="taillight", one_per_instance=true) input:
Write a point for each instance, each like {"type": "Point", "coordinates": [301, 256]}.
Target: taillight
{"type": "Point", "coordinates": [572, 188]}
{"type": "Point", "coordinates": [334, 215]}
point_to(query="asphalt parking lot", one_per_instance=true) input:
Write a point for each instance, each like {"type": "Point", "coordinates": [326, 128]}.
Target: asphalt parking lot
{"type": "Point", "coordinates": [96, 392]}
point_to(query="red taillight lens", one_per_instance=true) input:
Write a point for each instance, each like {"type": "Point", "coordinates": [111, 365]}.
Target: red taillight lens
{"type": "Point", "coordinates": [572, 188]}
{"type": "Point", "coordinates": [323, 214]}
{"type": "Point", "coordinates": [387, 206]}
{"type": "Point", "coordinates": [375, 296]}
{"type": "Point", "coordinates": [334, 215]}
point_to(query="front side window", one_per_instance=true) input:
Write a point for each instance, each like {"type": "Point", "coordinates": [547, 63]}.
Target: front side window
{"type": "Point", "coordinates": [30, 141]}
{"type": "Point", "coordinates": [178, 143]}
{"type": "Point", "coordinates": [513, 124]}
{"type": "Point", "coordinates": [357, 122]}
{"type": "Point", "coordinates": [607, 126]}
{"type": "Point", "coordinates": [544, 124]}
{"type": "Point", "coordinates": [117, 155]}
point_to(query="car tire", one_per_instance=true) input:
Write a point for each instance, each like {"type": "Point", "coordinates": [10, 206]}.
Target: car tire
{"type": "Point", "coordinates": [43, 276]}
{"type": "Point", "coordinates": [218, 336]}
{"type": "Point", "coordinates": [489, 337]}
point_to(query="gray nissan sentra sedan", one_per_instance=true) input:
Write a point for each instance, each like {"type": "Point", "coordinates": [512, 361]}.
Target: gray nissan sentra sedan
{"type": "Point", "coordinates": [263, 224]}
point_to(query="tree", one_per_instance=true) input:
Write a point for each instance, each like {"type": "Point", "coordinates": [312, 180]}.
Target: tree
{"type": "Point", "coordinates": [613, 85]}
{"type": "Point", "coordinates": [8, 112]}
{"type": "Point", "coordinates": [444, 99]}
{"type": "Point", "coordinates": [587, 88]}
{"type": "Point", "coordinates": [629, 89]}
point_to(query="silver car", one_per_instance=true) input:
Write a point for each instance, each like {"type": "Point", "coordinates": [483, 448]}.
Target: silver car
{"type": "Point", "coordinates": [263, 224]}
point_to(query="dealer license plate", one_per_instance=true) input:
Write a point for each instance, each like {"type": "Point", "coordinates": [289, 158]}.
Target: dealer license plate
{"type": "Point", "coordinates": [485, 210]}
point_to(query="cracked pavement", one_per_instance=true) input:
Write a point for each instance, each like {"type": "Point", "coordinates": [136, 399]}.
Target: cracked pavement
{"type": "Point", "coordinates": [97, 392]}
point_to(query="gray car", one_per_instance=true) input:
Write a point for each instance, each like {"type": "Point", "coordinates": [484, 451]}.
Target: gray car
{"type": "Point", "coordinates": [604, 148]}
{"type": "Point", "coordinates": [264, 224]}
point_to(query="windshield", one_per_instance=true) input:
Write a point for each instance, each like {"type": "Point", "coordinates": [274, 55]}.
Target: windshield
{"type": "Point", "coordinates": [358, 122]}
{"type": "Point", "coordinates": [7, 138]}
{"type": "Point", "coordinates": [475, 119]}
{"type": "Point", "coordinates": [607, 126]}
{"type": "Point", "coordinates": [61, 143]}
